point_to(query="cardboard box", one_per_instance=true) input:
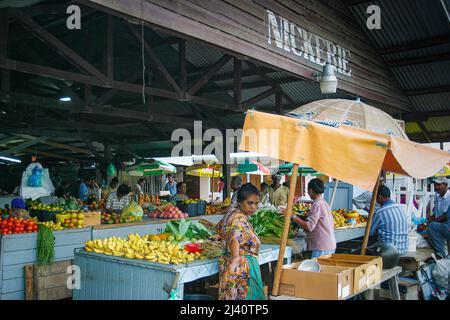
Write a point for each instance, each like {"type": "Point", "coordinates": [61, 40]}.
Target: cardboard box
{"type": "Point", "coordinates": [92, 218]}
{"type": "Point", "coordinates": [331, 283]}
{"type": "Point", "coordinates": [368, 270]}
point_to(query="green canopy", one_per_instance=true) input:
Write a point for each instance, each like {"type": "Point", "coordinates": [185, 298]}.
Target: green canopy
{"type": "Point", "coordinates": [304, 171]}
{"type": "Point", "coordinates": [147, 169]}
{"type": "Point", "coordinates": [253, 167]}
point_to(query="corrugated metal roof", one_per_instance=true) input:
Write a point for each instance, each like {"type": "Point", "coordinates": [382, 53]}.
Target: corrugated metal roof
{"type": "Point", "coordinates": [423, 75]}
{"type": "Point", "coordinates": [403, 21]}
{"type": "Point", "coordinates": [437, 124]}
{"type": "Point", "coordinates": [431, 102]}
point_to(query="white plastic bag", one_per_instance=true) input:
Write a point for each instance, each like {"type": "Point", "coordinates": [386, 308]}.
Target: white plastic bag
{"type": "Point", "coordinates": [421, 242]}
{"type": "Point", "coordinates": [46, 188]}
{"type": "Point", "coordinates": [441, 272]}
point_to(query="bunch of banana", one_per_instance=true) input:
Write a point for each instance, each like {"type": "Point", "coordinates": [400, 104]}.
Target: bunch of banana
{"type": "Point", "coordinates": [227, 202]}
{"type": "Point", "coordinates": [339, 220]}
{"type": "Point", "coordinates": [137, 247]}
{"type": "Point", "coordinates": [52, 226]}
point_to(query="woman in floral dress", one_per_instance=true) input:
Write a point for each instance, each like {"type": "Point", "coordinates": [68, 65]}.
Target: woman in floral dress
{"type": "Point", "coordinates": [239, 271]}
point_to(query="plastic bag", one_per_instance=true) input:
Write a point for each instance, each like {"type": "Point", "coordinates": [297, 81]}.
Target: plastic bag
{"type": "Point", "coordinates": [440, 272]}
{"type": "Point", "coordinates": [35, 179]}
{"type": "Point", "coordinates": [111, 170]}
{"type": "Point", "coordinates": [46, 187]}
{"type": "Point", "coordinates": [133, 209]}
{"type": "Point", "coordinates": [421, 242]}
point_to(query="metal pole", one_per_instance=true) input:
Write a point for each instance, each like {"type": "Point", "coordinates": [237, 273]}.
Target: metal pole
{"type": "Point", "coordinates": [287, 222]}
{"type": "Point", "coordinates": [370, 218]}
{"type": "Point", "coordinates": [334, 193]}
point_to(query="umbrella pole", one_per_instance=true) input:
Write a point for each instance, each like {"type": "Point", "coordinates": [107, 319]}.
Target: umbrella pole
{"type": "Point", "coordinates": [370, 218]}
{"type": "Point", "coordinates": [334, 193]}
{"type": "Point", "coordinates": [287, 222]}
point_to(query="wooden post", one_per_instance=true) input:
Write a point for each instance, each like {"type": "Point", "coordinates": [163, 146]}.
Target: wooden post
{"type": "Point", "coordinates": [369, 220]}
{"type": "Point", "coordinates": [334, 194]}
{"type": "Point", "coordinates": [287, 222]}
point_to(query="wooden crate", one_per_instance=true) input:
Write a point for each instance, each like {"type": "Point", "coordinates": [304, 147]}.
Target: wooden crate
{"type": "Point", "coordinates": [47, 282]}
{"type": "Point", "coordinates": [19, 250]}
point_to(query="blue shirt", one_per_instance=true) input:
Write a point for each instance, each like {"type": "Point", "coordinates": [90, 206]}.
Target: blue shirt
{"type": "Point", "coordinates": [83, 191]}
{"type": "Point", "coordinates": [441, 204]}
{"type": "Point", "coordinates": [172, 188]}
{"type": "Point", "coordinates": [391, 225]}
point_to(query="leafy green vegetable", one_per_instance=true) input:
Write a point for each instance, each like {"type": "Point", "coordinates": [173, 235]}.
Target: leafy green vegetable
{"type": "Point", "coordinates": [269, 223]}
{"type": "Point", "coordinates": [188, 229]}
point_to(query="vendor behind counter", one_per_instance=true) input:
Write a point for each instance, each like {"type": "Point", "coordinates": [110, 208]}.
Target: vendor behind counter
{"type": "Point", "coordinates": [118, 200]}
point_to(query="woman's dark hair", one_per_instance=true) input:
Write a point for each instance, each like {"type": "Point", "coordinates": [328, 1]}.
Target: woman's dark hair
{"type": "Point", "coordinates": [141, 180]}
{"type": "Point", "coordinates": [264, 185]}
{"type": "Point", "coordinates": [316, 185]}
{"type": "Point", "coordinates": [179, 185]}
{"type": "Point", "coordinates": [246, 191]}
{"type": "Point", "coordinates": [114, 182]}
{"type": "Point", "coordinates": [123, 190]}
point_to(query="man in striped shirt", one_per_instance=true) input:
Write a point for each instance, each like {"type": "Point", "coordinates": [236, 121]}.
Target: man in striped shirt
{"type": "Point", "coordinates": [389, 223]}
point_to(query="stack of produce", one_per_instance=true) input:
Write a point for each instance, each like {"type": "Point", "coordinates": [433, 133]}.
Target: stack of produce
{"type": "Point", "coordinates": [269, 223]}
{"type": "Point", "coordinates": [37, 205]}
{"type": "Point", "coordinates": [52, 225]}
{"type": "Point", "coordinates": [102, 204]}
{"type": "Point", "coordinates": [5, 213]}
{"type": "Point", "coordinates": [45, 245]}
{"type": "Point", "coordinates": [149, 199]}
{"type": "Point", "coordinates": [168, 211]}
{"type": "Point", "coordinates": [13, 226]}
{"type": "Point", "coordinates": [189, 201]}
{"type": "Point", "coordinates": [69, 204]}
{"type": "Point", "coordinates": [115, 218]}
{"type": "Point", "coordinates": [213, 208]}
{"type": "Point", "coordinates": [70, 219]}
{"type": "Point", "coordinates": [302, 206]}
{"type": "Point", "coordinates": [344, 219]}
{"type": "Point", "coordinates": [339, 219]}
{"type": "Point", "coordinates": [137, 247]}
{"type": "Point", "coordinates": [189, 230]}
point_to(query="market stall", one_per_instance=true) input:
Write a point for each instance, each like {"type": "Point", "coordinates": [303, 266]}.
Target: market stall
{"type": "Point", "coordinates": [308, 142]}
{"type": "Point", "coordinates": [114, 278]}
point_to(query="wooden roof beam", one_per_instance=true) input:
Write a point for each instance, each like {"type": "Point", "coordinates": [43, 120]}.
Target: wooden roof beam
{"type": "Point", "coordinates": [418, 60]}
{"type": "Point", "coordinates": [417, 44]}
{"type": "Point", "coordinates": [423, 91]}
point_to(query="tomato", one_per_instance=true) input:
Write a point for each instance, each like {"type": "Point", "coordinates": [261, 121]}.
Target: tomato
{"type": "Point", "coordinates": [29, 228]}
{"type": "Point", "coordinates": [9, 232]}
{"type": "Point", "coordinates": [4, 223]}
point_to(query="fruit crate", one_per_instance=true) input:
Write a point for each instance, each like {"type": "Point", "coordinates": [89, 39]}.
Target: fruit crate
{"type": "Point", "coordinates": [201, 208]}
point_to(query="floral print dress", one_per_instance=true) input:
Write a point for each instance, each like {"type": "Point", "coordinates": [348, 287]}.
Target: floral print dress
{"type": "Point", "coordinates": [234, 285]}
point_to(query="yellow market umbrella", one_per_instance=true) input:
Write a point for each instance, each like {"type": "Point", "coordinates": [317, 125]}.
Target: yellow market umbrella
{"type": "Point", "coordinates": [345, 152]}
{"type": "Point", "coordinates": [205, 170]}
{"type": "Point", "coordinates": [444, 172]}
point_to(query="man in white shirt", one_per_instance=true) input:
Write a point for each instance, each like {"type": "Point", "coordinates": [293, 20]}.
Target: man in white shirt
{"type": "Point", "coordinates": [442, 198]}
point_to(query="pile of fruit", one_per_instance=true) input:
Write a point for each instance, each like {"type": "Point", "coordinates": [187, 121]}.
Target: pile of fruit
{"type": "Point", "coordinates": [168, 211]}
{"type": "Point", "coordinates": [212, 208]}
{"type": "Point", "coordinates": [13, 226]}
{"type": "Point", "coordinates": [137, 247]}
{"type": "Point", "coordinates": [227, 202]}
{"type": "Point", "coordinates": [37, 205]}
{"type": "Point", "coordinates": [52, 225]}
{"type": "Point", "coordinates": [70, 219]}
{"type": "Point", "coordinates": [150, 199]}
{"type": "Point", "coordinates": [302, 206]}
{"type": "Point", "coordinates": [339, 219]}
{"type": "Point", "coordinates": [102, 204]}
{"type": "Point", "coordinates": [5, 213]}
{"type": "Point", "coordinates": [189, 201]}
{"type": "Point", "coordinates": [342, 218]}
{"type": "Point", "coordinates": [115, 218]}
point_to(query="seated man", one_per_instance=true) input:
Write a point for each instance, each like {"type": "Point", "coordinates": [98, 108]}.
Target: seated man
{"type": "Point", "coordinates": [389, 223]}
{"type": "Point", "coordinates": [439, 231]}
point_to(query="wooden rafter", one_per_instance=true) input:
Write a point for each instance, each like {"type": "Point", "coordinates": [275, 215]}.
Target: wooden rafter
{"type": "Point", "coordinates": [208, 74]}
{"type": "Point", "coordinates": [59, 46]}
{"type": "Point", "coordinates": [22, 146]}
